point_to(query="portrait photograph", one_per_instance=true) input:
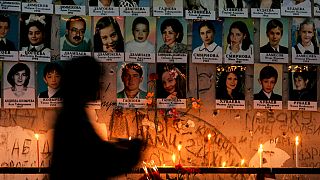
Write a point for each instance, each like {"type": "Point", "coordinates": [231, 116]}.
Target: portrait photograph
{"type": "Point", "coordinates": [19, 84]}
{"type": "Point", "coordinates": [35, 33]}
{"type": "Point", "coordinates": [266, 4]}
{"type": "Point", "coordinates": [108, 36]}
{"type": "Point", "coordinates": [140, 34]}
{"type": "Point", "coordinates": [171, 35]}
{"type": "Point", "coordinates": [171, 82]}
{"type": "Point", "coordinates": [71, 2]}
{"type": "Point", "coordinates": [233, 4]}
{"type": "Point", "coordinates": [132, 80]}
{"type": "Point", "coordinates": [199, 5]}
{"type": "Point", "coordinates": [9, 23]}
{"type": "Point", "coordinates": [104, 3]}
{"type": "Point", "coordinates": [75, 33]}
{"type": "Point", "coordinates": [238, 40]}
{"type": "Point", "coordinates": [298, 8]}
{"type": "Point", "coordinates": [274, 36]}
{"type": "Point", "coordinates": [267, 82]}
{"type": "Point", "coordinates": [49, 77]}
{"type": "Point", "coordinates": [230, 82]}
{"type": "Point", "coordinates": [207, 41]}
{"type": "Point", "coordinates": [168, 3]}
{"type": "Point", "coordinates": [38, 1]}
{"type": "Point", "coordinates": [302, 83]}
{"type": "Point", "coordinates": [305, 35]}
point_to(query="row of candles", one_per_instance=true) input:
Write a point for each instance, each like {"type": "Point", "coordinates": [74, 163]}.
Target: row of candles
{"type": "Point", "coordinates": [260, 152]}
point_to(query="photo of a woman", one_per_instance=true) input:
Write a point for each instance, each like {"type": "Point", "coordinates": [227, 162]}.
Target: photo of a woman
{"type": "Point", "coordinates": [239, 40]}
{"type": "Point", "coordinates": [230, 84]}
{"type": "Point", "coordinates": [35, 28]}
{"type": "Point", "coordinates": [207, 32]}
{"type": "Point", "coordinates": [172, 33]}
{"type": "Point", "coordinates": [172, 81]}
{"type": "Point", "coordinates": [108, 36]}
{"type": "Point", "coordinates": [18, 77]}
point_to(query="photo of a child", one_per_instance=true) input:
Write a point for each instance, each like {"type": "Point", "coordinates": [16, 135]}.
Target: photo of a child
{"type": "Point", "coordinates": [142, 40]}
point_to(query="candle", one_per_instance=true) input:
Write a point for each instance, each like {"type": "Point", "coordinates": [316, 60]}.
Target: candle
{"type": "Point", "coordinates": [224, 164]}
{"type": "Point", "coordinates": [242, 163]}
{"type": "Point", "coordinates": [173, 159]}
{"type": "Point", "coordinates": [130, 138]}
{"type": "Point", "coordinates": [297, 156]}
{"type": "Point", "coordinates": [179, 149]}
{"type": "Point", "coordinates": [260, 151]}
{"type": "Point", "coordinates": [209, 150]}
{"type": "Point", "coordinates": [38, 158]}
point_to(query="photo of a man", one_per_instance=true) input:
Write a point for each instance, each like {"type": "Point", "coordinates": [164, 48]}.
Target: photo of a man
{"type": "Point", "coordinates": [131, 78]}
{"type": "Point", "coordinates": [268, 78]}
{"type": "Point", "coordinates": [274, 32]}
{"type": "Point", "coordinates": [74, 38]}
{"type": "Point", "coordinates": [5, 43]}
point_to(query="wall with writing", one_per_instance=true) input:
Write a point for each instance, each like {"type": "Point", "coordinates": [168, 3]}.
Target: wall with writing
{"type": "Point", "coordinates": [236, 134]}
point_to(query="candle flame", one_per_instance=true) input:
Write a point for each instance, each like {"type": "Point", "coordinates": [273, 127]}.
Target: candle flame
{"type": "Point", "coordinates": [261, 148]}
{"type": "Point", "coordinates": [36, 136]}
{"type": "Point", "coordinates": [242, 162]}
{"type": "Point", "coordinates": [130, 138]}
{"type": "Point", "coordinates": [173, 158]}
{"type": "Point", "coordinates": [297, 140]}
{"type": "Point", "coordinates": [224, 164]}
{"type": "Point", "coordinates": [179, 147]}
{"type": "Point", "coordinates": [209, 136]}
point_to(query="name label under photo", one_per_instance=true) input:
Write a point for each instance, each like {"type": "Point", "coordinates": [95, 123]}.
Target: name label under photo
{"type": "Point", "coordinates": [172, 57]}
{"type": "Point", "coordinates": [267, 104]}
{"type": "Point", "coordinates": [10, 5]}
{"type": "Point", "coordinates": [68, 55]}
{"type": "Point", "coordinates": [37, 8]}
{"type": "Point", "coordinates": [70, 10]}
{"type": "Point", "coordinates": [167, 11]}
{"type": "Point", "coordinates": [306, 58]}
{"type": "Point", "coordinates": [109, 56]}
{"type": "Point", "coordinates": [140, 57]}
{"type": "Point", "coordinates": [103, 11]}
{"type": "Point", "coordinates": [207, 58]}
{"type": "Point", "coordinates": [274, 58]}
{"type": "Point", "coordinates": [131, 103]}
{"type": "Point", "coordinates": [302, 105]}
{"type": "Point", "coordinates": [230, 104]}
{"type": "Point", "coordinates": [233, 12]}
{"type": "Point", "coordinates": [265, 13]}
{"type": "Point", "coordinates": [19, 103]}
{"type": "Point", "coordinates": [170, 103]}
{"type": "Point", "coordinates": [134, 11]}
{"type": "Point", "coordinates": [238, 59]}
{"type": "Point", "coordinates": [9, 55]}
{"type": "Point", "coordinates": [296, 11]}
{"type": "Point", "coordinates": [49, 102]}
{"type": "Point", "coordinates": [35, 56]}
{"type": "Point", "coordinates": [197, 14]}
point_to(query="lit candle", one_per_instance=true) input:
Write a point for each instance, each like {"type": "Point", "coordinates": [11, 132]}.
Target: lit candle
{"type": "Point", "coordinates": [179, 149]}
{"type": "Point", "coordinates": [224, 164]}
{"type": "Point", "coordinates": [242, 163]}
{"type": "Point", "coordinates": [209, 151]}
{"type": "Point", "coordinates": [38, 158]}
{"type": "Point", "coordinates": [173, 159]}
{"type": "Point", "coordinates": [297, 156]}
{"type": "Point", "coordinates": [260, 151]}
{"type": "Point", "coordinates": [129, 138]}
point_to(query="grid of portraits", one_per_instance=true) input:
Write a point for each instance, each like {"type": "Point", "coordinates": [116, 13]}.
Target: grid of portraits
{"type": "Point", "coordinates": [171, 35]}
